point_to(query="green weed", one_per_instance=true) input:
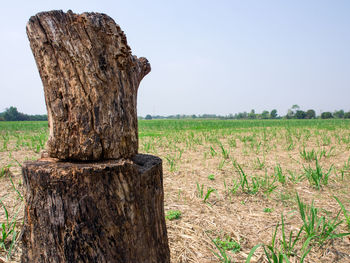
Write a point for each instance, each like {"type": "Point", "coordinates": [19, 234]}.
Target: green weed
{"type": "Point", "coordinates": [212, 151]}
{"type": "Point", "coordinates": [224, 152]}
{"type": "Point", "coordinates": [209, 192]}
{"type": "Point", "coordinates": [232, 189]}
{"type": "Point", "coordinates": [267, 210]}
{"type": "Point", "coordinates": [6, 139]}
{"type": "Point", "coordinates": [173, 214]}
{"type": "Point", "coordinates": [267, 184]}
{"type": "Point", "coordinates": [294, 178]}
{"type": "Point", "coordinates": [232, 143]}
{"type": "Point", "coordinates": [211, 177]}
{"type": "Point", "coordinates": [200, 192]}
{"type": "Point", "coordinates": [4, 170]}
{"type": "Point", "coordinates": [19, 195]}
{"type": "Point", "coordinates": [259, 165]}
{"type": "Point", "coordinates": [227, 244]}
{"type": "Point", "coordinates": [279, 174]}
{"type": "Point", "coordinates": [147, 147]}
{"type": "Point", "coordinates": [318, 228]}
{"type": "Point", "coordinates": [221, 164]}
{"type": "Point", "coordinates": [287, 246]}
{"type": "Point", "coordinates": [221, 254]}
{"type": "Point", "coordinates": [8, 231]}
{"type": "Point", "coordinates": [172, 162]}
{"type": "Point", "coordinates": [308, 155]}
{"type": "Point", "coordinates": [249, 188]}
{"type": "Point", "coordinates": [316, 176]}
{"type": "Point", "coordinates": [345, 212]}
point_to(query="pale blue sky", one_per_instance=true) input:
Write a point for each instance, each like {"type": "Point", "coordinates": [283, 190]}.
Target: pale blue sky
{"type": "Point", "coordinates": [207, 56]}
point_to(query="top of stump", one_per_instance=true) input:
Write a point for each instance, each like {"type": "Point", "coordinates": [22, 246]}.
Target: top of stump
{"type": "Point", "coordinates": [90, 80]}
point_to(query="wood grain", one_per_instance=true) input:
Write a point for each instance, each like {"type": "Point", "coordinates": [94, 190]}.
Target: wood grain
{"type": "Point", "coordinates": [109, 211]}
{"type": "Point", "coordinates": [90, 81]}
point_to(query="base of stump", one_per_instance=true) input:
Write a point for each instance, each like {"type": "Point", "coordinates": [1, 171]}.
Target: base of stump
{"type": "Point", "coordinates": [109, 211]}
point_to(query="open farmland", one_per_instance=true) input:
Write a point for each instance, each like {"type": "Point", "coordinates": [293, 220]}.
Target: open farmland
{"type": "Point", "coordinates": [229, 186]}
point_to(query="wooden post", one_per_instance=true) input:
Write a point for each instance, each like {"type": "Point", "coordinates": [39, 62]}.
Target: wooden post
{"type": "Point", "coordinates": [98, 200]}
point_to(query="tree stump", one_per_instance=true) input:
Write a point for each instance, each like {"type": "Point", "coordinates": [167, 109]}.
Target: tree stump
{"type": "Point", "coordinates": [109, 211]}
{"type": "Point", "coordinates": [95, 199]}
{"type": "Point", "coordinates": [90, 81]}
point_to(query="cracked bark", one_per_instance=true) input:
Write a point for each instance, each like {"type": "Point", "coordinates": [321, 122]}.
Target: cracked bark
{"type": "Point", "coordinates": [96, 199]}
{"type": "Point", "coordinates": [109, 211]}
{"type": "Point", "coordinates": [90, 81]}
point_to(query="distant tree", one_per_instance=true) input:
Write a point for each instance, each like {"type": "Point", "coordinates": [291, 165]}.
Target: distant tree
{"type": "Point", "coordinates": [339, 114]}
{"type": "Point", "coordinates": [148, 117]}
{"type": "Point", "coordinates": [295, 107]}
{"type": "Point", "coordinates": [310, 114]}
{"type": "Point", "coordinates": [347, 115]}
{"type": "Point", "coordinates": [300, 114]}
{"type": "Point", "coordinates": [265, 114]}
{"type": "Point", "coordinates": [273, 114]}
{"type": "Point", "coordinates": [242, 115]}
{"type": "Point", "coordinates": [12, 114]}
{"type": "Point", "coordinates": [230, 116]}
{"type": "Point", "coordinates": [290, 114]}
{"type": "Point", "coordinates": [252, 114]}
{"type": "Point", "coordinates": [194, 116]}
{"type": "Point", "coordinates": [326, 115]}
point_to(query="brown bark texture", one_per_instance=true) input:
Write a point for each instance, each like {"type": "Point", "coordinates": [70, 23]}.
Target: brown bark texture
{"type": "Point", "coordinates": [109, 211]}
{"type": "Point", "coordinates": [90, 81]}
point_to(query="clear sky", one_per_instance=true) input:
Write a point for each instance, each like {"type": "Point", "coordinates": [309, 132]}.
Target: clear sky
{"type": "Point", "coordinates": [216, 57]}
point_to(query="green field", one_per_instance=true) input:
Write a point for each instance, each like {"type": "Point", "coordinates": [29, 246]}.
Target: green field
{"type": "Point", "coordinates": [230, 185]}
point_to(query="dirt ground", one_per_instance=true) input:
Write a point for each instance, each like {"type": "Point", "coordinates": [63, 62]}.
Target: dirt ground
{"type": "Point", "coordinates": [210, 160]}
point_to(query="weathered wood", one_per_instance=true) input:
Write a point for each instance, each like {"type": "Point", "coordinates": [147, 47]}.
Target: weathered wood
{"type": "Point", "coordinates": [105, 211]}
{"type": "Point", "coordinates": [108, 211]}
{"type": "Point", "coordinates": [90, 81]}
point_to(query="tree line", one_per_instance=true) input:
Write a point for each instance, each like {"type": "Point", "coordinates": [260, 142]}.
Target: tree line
{"type": "Point", "coordinates": [293, 113]}
{"type": "Point", "coordinates": [12, 114]}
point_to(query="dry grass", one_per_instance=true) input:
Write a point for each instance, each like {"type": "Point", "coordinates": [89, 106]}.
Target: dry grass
{"type": "Point", "coordinates": [188, 160]}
